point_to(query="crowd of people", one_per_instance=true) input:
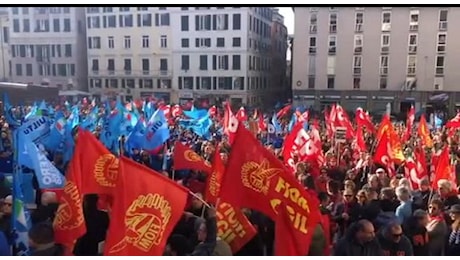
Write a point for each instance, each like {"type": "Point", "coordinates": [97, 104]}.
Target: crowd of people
{"type": "Point", "coordinates": [369, 212]}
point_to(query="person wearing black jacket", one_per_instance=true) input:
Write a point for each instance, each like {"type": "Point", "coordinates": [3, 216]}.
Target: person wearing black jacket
{"type": "Point", "coordinates": [359, 241]}
{"type": "Point", "coordinates": [347, 212]}
{"type": "Point", "coordinates": [417, 233]}
{"type": "Point", "coordinates": [372, 208]}
{"type": "Point", "coordinates": [393, 241]}
{"type": "Point", "coordinates": [207, 235]}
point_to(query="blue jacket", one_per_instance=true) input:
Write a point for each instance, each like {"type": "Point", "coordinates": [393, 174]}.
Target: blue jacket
{"type": "Point", "coordinates": [4, 246]}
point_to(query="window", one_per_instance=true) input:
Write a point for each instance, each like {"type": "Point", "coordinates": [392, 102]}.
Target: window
{"type": "Point", "coordinates": [220, 22]}
{"type": "Point", "coordinates": [223, 62]}
{"type": "Point", "coordinates": [68, 50]}
{"type": "Point", "coordinates": [26, 25]}
{"type": "Point", "coordinates": [185, 43]}
{"type": "Point", "coordinates": [127, 42]}
{"type": "Point", "coordinates": [311, 82]}
{"type": "Point", "coordinates": [94, 22]}
{"type": "Point", "coordinates": [142, 9]}
{"type": "Point", "coordinates": [25, 10]}
{"type": "Point", "coordinates": [439, 65]}
{"type": "Point", "coordinates": [438, 83]}
{"type": "Point", "coordinates": [236, 62]}
{"type": "Point", "coordinates": [220, 42]}
{"type": "Point", "coordinates": [162, 19]}
{"type": "Point", "coordinates": [442, 20]}
{"type": "Point", "coordinates": [411, 64]}
{"type": "Point", "coordinates": [107, 9]}
{"type": "Point", "coordinates": [16, 27]}
{"type": "Point", "coordinates": [383, 83]}
{"type": "Point", "coordinates": [29, 70]}
{"type": "Point", "coordinates": [412, 43]}
{"type": "Point", "coordinates": [163, 65]}
{"type": "Point", "coordinates": [124, 9]}
{"type": "Point", "coordinates": [203, 62]}
{"type": "Point", "coordinates": [66, 25]}
{"type": "Point", "coordinates": [18, 69]}
{"type": "Point", "coordinates": [331, 65]}
{"type": "Point", "coordinates": [356, 83]}
{"type": "Point", "coordinates": [15, 10]}
{"type": "Point", "coordinates": [386, 21]}
{"type": "Point", "coordinates": [5, 34]}
{"type": "Point", "coordinates": [384, 65]}
{"type": "Point", "coordinates": [184, 8]}
{"type": "Point", "coordinates": [441, 44]}
{"type": "Point", "coordinates": [163, 41]}
{"type": "Point", "coordinates": [145, 41]}
{"type": "Point", "coordinates": [313, 23]}
{"type": "Point", "coordinates": [56, 25]}
{"type": "Point", "coordinates": [94, 42]}
{"type": "Point", "coordinates": [185, 62]}
{"type": "Point", "coordinates": [184, 23]}
{"type": "Point", "coordinates": [127, 65]}
{"type": "Point", "coordinates": [42, 25]}
{"type": "Point", "coordinates": [162, 8]}
{"type": "Point", "coordinates": [332, 43]}
{"type": "Point", "coordinates": [414, 16]}
{"type": "Point", "coordinates": [202, 42]}
{"type": "Point", "coordinates": [109, 21]}
{"type": "Point", "coordinates": [333, 23]}
{"type": "Point", "coordinates": [357, 64]}
{"type": "Point", "coordinates": [236, 42]}
{"type": "Point", "coordinates": [202, 22]}
{"type": "Point", "coordinates": [111, 42]}
{"type": "Point", "coordinates": [358, 43]}
{"type": "Point", "coordinates": [66, 10]}
{"type": "Point", "coordinates": [92, 10]}
{"type": "Point", "coordinates": [236, 21]}
{"type": "Point", "coordinates": [312, 49]}
{"type": "Point", "coordinates": [95, 65]}
{"type": "Point", "coordinates": [385, 43]}
{"type": "Point", "coordinates": [359, 20]}
{"type": "Point", "coordinates": [330, 82]}
{"type": "Point", "coordinates": [144, 20]}
{"type": "Point", "coordinates": [125, 20]}
{"type": "Point", "coordinates": [312, 65]}
{"type": "Point", "coordinates": [145, 66]}
{"type": "Point", "coordinates": [111, 65]}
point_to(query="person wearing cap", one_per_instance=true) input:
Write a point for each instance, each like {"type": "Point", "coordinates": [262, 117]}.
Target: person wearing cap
{"type": "Point", "coordinates": [453, 246]}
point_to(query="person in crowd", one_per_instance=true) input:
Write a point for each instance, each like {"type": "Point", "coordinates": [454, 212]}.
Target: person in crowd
{"type": "Point", "coordinates": [418, 233]}
{"type": "Point", "coordinates": [177, 245]}
{"type": "Point", "coordinates": [393, 241]}
{"type": "Point", "coordinates": [361, 197]}
{"type": "Point", "coordinates": [437, 228]}
{"type": "Point", "coordinates": [46, 209]}
{"type": "Point", "coordinates": [5, 215]}
{"type": "Point", "coordinates": [372, 208]}
{"type": "Point", "coordinates": [448, 194]}
{"type": "Point", "coordinates": [388, 201]}
{"type": "Point", "coordinates": [404, 210]}
{"type": "Point", "coordinates": [382, 177]}
{"type": "Point", "coordinates": [422, 195]}
{"type": "Point", "coordinates": [207, 234]}
{"type": "Point", "coordinates": [453, 247]}
{"type": "Point", "coordinates": [347, 212]}
{"type": "Point", "coordinates": [373, 182]}
{"type": "Point", "coordinates": [359, 241]}
{"type": "Point", "coordinates": [41, 240]}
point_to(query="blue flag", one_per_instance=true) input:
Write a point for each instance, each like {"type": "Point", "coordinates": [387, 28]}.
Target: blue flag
{"type": "Point", "coordinates": [34, 130]}
{"type": "Point", "coordinates": [199, 126]}
{"type": "Point", "coordinates": [48, 176]}
{"type": "Point", "coordinates": [196, 113]}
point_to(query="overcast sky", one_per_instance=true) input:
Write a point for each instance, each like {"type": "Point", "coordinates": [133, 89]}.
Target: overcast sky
{"type": "Point", "coordinates": [288, 18]}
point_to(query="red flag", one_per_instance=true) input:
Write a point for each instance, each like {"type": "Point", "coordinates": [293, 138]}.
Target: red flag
{"type": "Point", "coordinates": [241, 115]}
{"type": "Point", "coordinates": [454, 122]}
{"type": "Point", "coordinates": [409, 124]}
{"type": "Point", "coordinates": [256, 179]}
{"type": "Point", "coordinates": [214, 179]}
{"type": "Point", "coordinates": [230, 123]}
{"type": "Point", "coordinates": [289, 241]}
{"type": "Point", "coordinates": [363, 119]}
{"type": "Point", "coordinates": [147, 206]}
{"type": "Point", "coordinates": [186, 158]}
{"type": "Point", "coordinates": [383, 155]}
{"type": "Point", "coordinates": [212, 111]}
{"type": "Point", "coordinates": [99, 166]}
{"type": "Point", "coordinates": [261, 123]}
{"type": "Point", "coordinates": [176, 111]}
{"type": "Point", "coordinates": [69, 223]}
{"type": "Point", "coordinates": [444, 170]}
{"type": "Point", "coordinates": [283, 111]}
{"type": "Point", "coordinates": [233, 227]}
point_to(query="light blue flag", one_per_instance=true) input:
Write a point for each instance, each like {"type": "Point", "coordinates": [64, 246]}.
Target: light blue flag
{"type": "Point", "coordinates": [36, 130]}
{"type": "Point", "coordinates": [196, 113]}
{"type": "Point", "coordinates": [57, 131]}
{"type": "Point", "coordinates": [7, 110]}
{"type": "Point", "coordinates": [21, 219]}
{"type": "Point", "coordinates": [48, 176]}
{"type": "Point", "coordinates": [276, 124]}
{"type": "Point", "coordinates": [199, 126]}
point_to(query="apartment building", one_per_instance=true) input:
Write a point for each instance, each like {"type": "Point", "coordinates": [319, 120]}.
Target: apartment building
{"type": "Point", "coordinates": [48, 46]}
{"type": "Point", "coordinates": [129, 51]}
{"type": "Point", "coordinates": [5, 65]}
{"type": "Point", "coordinates": [226, 53]}
{"type": "Point", "coordinates": [279, 82]}
{"type": "Point", "coordinates": [376, 55]}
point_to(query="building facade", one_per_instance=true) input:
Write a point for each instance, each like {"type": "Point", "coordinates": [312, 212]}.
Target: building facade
{"type": "Point", "coordinates": [373, 56]}
{"type": "Point", "coordinates": [225, 53]}
{"type": "Point", "coordinates": [48, 46]}
{"type": "Point", "coordinates": [129, 51]}
{"type": "Point", "coordinates": [5, 57]}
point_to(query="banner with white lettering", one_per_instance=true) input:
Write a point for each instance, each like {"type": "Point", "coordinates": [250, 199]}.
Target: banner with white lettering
{"type": "Point", "coordinates": [35, 130]}
{"type": "Point", "coordinates": [48, 176]}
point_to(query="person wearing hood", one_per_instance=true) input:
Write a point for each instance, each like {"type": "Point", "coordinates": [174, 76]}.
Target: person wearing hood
{"type": "Point", "coordinates": [417, 233]}
{"type": "Point", "coordinates": [359, 241]}
{"type": "Point", "coordinates": [393, 241]}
